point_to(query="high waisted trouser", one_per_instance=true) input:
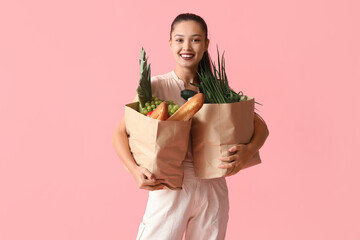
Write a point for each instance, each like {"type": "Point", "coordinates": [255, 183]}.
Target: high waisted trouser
{"type": "Point", "coordinates": [200, 209]}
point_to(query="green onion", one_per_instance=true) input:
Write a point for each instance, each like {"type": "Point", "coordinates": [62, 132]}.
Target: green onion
{"type": "Point", "coordinates": [215, 85]}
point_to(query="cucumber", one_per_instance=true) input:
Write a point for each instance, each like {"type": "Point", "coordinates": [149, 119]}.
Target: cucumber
{"type": "Point", "coordinates": [187, 93]}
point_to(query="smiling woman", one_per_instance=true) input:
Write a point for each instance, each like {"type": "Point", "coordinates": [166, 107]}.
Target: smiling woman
{"type": "Point", "coordinates": [189, 45]}
{"type": "Point", "coordinates": [201, 207]}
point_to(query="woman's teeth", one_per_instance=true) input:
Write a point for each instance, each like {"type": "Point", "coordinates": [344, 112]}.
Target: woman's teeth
{"type": "Point", "coordinates": [187, 56]}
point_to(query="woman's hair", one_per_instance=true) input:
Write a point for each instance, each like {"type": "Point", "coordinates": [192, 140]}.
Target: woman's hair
{"type": "Point", "coordinates": [205, 61]}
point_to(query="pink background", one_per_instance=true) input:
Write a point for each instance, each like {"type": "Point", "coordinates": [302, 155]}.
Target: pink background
{"type": "Point", "coordinates": [68, 67]}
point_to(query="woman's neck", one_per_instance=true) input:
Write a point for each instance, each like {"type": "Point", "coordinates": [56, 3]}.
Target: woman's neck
{"type": "Point", "coordinates": [187, 75]}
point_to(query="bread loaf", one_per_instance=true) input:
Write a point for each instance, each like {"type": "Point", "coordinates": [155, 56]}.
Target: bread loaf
{"type": "Point", "coordinates": [161, 112]}
{"type": "Point", "coordinates": [188, 110]}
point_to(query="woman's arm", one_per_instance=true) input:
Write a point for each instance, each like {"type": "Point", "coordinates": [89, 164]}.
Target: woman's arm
{"type": "Point", "coordinates": [244, 152]}
{"type": "Point", "coordinates": [261, 132]}
{"type": "Point", "coordinates": [144, 178]}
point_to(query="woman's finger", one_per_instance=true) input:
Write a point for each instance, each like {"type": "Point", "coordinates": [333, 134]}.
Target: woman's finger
{"type": "Point", "coordinates": [236, 147]}
{"type": "Point", "coordinates": [149, 182]}
{"type": "Point", "coordinates": [229, 159]}
{"type": "Point", "coordinates": [148, 174]}
{"type": "Point", "coordinates": [227, 165]}
{"type": "Point", "coordinates": [153, 188]}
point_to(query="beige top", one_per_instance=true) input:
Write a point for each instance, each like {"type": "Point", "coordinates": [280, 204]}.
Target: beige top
{"type": "Point", "coordinates": [168, 87]}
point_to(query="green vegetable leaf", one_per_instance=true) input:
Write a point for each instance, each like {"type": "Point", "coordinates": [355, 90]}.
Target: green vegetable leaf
{"type": "Point", "coordinates": [215, 85]}
{"type": "Point", "coordinates": [144, 88]}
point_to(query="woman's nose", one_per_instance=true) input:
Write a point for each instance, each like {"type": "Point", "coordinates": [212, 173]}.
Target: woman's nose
{"type": "Point", "coordinates": [186, 45]}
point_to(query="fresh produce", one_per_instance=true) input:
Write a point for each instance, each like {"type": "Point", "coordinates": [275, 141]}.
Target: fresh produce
{"type": "Point", "coordinates": [154, 103]}
{"type": "Point", "coordinates": [144, 88]}
{"type": "Point", "coordinates": [147, 102]}
{"type": "Point", "coordinates": [214, 84]}
{"type": "Point", "coordinates": [187, 93]}
{"type": "Point", "coordinates": [187, 111]}
{"type": "Point", "coordinates": [149, 113]}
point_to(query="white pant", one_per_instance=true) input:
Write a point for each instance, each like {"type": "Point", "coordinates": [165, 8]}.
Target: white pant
{"type": "Point", "coordinates": [201, 208]}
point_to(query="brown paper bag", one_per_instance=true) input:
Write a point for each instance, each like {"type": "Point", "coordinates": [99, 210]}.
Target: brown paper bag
{"type": "Point", "coordinates": [159, 146]}
{"type": "Point", "coordinates": [215, 129]}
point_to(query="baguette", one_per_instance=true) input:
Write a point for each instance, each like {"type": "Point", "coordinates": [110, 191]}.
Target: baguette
{"type": "Point", "coordinates": [161, 112]}
{"type": "Point", "coordinates": [188, 110]}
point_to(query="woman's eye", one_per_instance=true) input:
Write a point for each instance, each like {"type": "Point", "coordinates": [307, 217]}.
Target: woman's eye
{"type": "Point", "coordinates": [178, 40]}
{"type": "Point", "coordinates": [196, 40]}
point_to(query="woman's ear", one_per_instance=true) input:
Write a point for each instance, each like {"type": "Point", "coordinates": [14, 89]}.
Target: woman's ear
{"type": "Point", "coordinates": [170, 42]}
{"type": "Point", "coordinates": [207, 44]}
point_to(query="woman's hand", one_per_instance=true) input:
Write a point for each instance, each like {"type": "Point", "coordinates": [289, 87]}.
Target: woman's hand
{"type": "Point", "coordinates": [240, 155]}
{"type": "Point", "coordinates": [145, 179]}
{"type": "Point", "coordinates": [244, 152]}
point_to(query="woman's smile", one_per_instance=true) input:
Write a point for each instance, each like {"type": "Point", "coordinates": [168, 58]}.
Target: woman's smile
{"type": "Point", "coordinates": [187, 56]}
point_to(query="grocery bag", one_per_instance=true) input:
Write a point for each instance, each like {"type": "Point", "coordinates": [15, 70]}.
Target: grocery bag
{"type": "Point", "coordinates": [159, 146]}
{"type": "Point", "coordinates": [215, 129]}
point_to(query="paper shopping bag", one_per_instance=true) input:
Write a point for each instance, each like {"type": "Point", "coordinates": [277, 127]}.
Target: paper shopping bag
{"type": "Point", "coordinates": [215, 129]}
{"type": "Point", "coordinates": [159, 146]}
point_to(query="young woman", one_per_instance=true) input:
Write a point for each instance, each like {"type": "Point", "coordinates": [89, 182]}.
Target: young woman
{"type": "Point", "coordinates": [201, 208]}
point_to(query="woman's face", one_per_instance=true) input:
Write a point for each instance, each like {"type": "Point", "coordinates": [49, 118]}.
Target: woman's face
{"type": "Point", "coordinates": [188, 44]}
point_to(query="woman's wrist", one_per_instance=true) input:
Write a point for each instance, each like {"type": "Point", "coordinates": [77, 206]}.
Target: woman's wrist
{"type": "Point", "coordinates": [252, 149]}
{"type": "Point", "coordinates": [131, 167]}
